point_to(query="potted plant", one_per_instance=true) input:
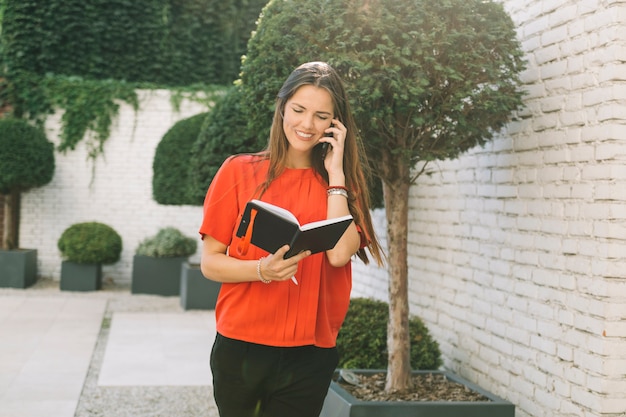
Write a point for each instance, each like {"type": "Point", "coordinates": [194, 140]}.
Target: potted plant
{"type": "Point", "coordinates": [196, 291]}
{"type": "Point", "coordinates": [26, 161]}
{"type": "Point", "coordinates": [158, 261]}
{"type": "Point", "coordinates": [85, 247]}
{"type": "Point", "coordinates": [356, 386]}
{"type": "Point", "coordinates": [428, 80]}
{"type": "Point", "coordinates": [362, 340]}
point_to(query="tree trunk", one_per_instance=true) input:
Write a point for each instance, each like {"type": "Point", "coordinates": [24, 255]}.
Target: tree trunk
{"type": "Point", "coordinates": [11, 210]}
{"type": "Point", "coordinates": [396, 196]}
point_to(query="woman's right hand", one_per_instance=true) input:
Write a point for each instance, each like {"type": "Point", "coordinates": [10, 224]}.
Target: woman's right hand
{"type": "Point", "coordinates": [218, 266]}
{"type": "Point", "coordinates": [333, 161]}
{"type": "Point", "coordinates": [275, 268]}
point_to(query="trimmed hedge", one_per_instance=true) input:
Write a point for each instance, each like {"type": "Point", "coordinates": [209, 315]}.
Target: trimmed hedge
{"type": "Point", "coordinates": [167, 42]}
{"type": "Point", "coordinates": [223, 134]}
{"type": "Point", "coordinates": [90, 243]}
{"type": "Point", "coordinates": [26, 156]}
{"type": "Point", "coordinates": [362, 340]}
{"type": "Point", "coordinates": [170, 167]}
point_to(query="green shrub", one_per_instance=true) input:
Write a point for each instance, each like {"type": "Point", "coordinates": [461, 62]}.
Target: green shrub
{"type": "Point", "coordinates": [170, 167]}
{"type": "Point", "coordinates": [26, 156]}
{"type": "Point", "coordinates": [169, 242]}
{"type": "Point", "coordinates": [168, 42]}
{"type": "Point", "coordinates": [362, 340]}
{"type": "Point", "coordinates": [223, 134]}
{"type": "Point", "coordinates": [90, 243]}
{"type": "Point", "coordinates": [26, 161]}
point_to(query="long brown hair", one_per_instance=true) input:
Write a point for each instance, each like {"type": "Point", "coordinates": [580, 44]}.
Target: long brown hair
{"type": "Point", "coordinates": [356, 167]}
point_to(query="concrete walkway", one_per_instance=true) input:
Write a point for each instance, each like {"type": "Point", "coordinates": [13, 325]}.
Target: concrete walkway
{"type": "Point", "coordinates": [45, 350]}
{"type": "Point", "coordinates": [152, 349]}
{"type": "Point", "coordinates": [104, 353]}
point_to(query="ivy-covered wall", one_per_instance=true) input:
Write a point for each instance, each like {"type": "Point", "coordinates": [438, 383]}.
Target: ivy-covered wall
{"type": "Point", "coordinates": [167, 42]}
{"type": "Point", "coordinates": [86, 58]}
{"type": "Point", "coordinates": [115, 189]}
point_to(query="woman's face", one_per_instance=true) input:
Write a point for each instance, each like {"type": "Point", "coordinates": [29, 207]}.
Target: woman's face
{"type": "Point", "coordinates": [308, 113]}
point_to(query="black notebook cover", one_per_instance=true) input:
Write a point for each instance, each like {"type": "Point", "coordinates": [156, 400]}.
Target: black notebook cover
{"type": "Point", "coordinates": [273, 227]}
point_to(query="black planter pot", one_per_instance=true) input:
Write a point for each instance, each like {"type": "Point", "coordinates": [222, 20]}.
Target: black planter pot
{"type": "Point", "coordinates": [18, 268]}
{"type": "Point", "coordinates": [159, 276]}
{"type": "Point", "coordinates": [80, 277]}
{"type": "Point", "coordinates": [339, 403]}
{"type": "Point", "coordinates": [196, 291]}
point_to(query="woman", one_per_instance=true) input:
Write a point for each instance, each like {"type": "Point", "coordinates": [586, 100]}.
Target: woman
{"type": "Point", "coordinates": [278, 319]}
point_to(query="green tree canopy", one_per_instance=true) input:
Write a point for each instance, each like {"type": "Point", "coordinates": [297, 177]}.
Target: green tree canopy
{"type": "Point", "coordinates": [427, 81]}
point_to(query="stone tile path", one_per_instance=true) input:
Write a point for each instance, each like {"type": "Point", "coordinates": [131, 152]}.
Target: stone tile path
{"type": "Point", "coordinates": [105, 353]}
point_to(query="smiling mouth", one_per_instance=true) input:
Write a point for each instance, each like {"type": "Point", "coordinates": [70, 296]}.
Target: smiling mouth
{"type": "Point", "coordinates": [304, 135]}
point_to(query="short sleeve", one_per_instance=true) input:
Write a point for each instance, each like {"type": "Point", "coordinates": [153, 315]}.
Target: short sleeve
{"type": "Point", "coordinates": [221, 205]}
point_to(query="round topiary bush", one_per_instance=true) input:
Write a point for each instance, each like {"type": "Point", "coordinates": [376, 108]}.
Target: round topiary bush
{"type": "Point", "coordinates": [223, 134]}
{"type": "Point", "coordinates": [170, 167]}
{"type": "Point", "coordinates": [26, 156]}
{"type": "Point", "coordinates": [362, 340]}
{"type": "Point", "coordinates": [169, 242]}
{"type": "Point", "coordinates": [90, 243]}
{"type": "Point", "coordinates": [26, 161]}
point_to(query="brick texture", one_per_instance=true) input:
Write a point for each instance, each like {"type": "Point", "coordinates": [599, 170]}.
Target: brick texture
{"type": "Point", "coordinates": [517, 256]}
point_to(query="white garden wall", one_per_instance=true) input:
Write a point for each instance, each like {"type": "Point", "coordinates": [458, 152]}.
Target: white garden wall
{"type": "Point", "coordinates": [517, 251]}
{"type": "Point", "coordinates": [117, 190]}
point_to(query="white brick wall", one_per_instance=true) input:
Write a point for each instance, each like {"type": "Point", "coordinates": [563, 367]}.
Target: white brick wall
{"type": "Point", "coordinates": [121, 192]}
{"type": "Point", "coordinates": [517, 257]}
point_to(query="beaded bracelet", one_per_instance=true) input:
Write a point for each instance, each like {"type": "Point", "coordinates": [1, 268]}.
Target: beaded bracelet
{"type": "Point", "coordinates": [336, 191]}
{"type": "Point", "coordinates": [258, 272]}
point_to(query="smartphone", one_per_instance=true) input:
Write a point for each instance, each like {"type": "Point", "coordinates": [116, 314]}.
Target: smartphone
{"type": "Point", "coordinates": [330, 135]}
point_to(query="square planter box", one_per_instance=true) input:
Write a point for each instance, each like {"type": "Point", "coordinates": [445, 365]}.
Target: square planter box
{"type": "Point", "coordinates": [196, 291]}
{"type": "Point", "coordinates": [159, 276]}
{"type": "Point", "coordinates": [339, 403]}
{"type": "Point", "coordinates": [18, 268]}
{"type": "Point", "coordinates": [80, 277]}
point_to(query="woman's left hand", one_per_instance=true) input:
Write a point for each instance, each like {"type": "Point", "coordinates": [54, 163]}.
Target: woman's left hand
{"type": "Point", "coordinates": [333, 161]}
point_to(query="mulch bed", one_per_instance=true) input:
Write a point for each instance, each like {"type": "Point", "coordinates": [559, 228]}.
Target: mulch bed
{"type": "Point", "coordinates": [426, 387]}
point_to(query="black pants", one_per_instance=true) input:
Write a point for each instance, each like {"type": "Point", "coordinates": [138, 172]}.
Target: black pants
{"type": "Point", "coordinates": [251, 380]}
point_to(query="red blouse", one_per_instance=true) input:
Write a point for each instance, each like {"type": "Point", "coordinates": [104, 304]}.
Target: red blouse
{"type": "Point", "coordinates": [279, 313]}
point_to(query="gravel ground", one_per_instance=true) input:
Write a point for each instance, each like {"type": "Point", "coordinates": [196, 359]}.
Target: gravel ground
{"type": "Point", "coordinates": [139, 401]}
